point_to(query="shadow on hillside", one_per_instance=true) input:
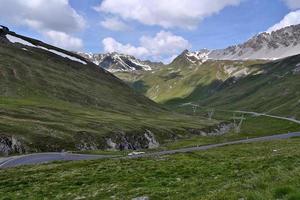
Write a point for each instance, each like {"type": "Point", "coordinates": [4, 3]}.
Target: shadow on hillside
{"type": "Point", "coordinates": [140, 87]}
{"type": "Point", "coordinates": [234, 90]}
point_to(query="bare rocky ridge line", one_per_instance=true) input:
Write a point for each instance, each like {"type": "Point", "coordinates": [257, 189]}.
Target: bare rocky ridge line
{"type": "Point", "coordinates": [264, 46]}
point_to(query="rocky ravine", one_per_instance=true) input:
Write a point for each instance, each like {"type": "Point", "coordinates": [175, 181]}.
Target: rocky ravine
{"type": "Point", "coordinates": [118, 141]}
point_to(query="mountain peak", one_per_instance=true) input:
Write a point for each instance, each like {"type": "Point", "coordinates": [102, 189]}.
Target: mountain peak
{"type": "Point", "coordinates": [278, 44]}
{"type": "Point", "coordinates": [115, 62]}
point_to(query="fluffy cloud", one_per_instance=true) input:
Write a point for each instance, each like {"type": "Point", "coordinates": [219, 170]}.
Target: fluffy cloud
{"type": "Point", "coordinates": [163, 45]}
{"type": "Point", "coordinates": [51, 18]}
{"type": "Point", "coordinates": [293, 4]}
{"type": "Point", "coordinates": [114, 24]}
{"type": "Point", "coordinates": [111, 45]}
{"type": "Point", "coordinates": [292, 18]}
{"type": "Point", "coordinates": [55, 15]}
{"type": "Point", "coordinates": [165, 13]}
{"type": "Point", "coordinates": [64, 40]}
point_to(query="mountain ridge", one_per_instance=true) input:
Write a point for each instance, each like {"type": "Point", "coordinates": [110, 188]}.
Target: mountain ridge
{"type": "Point", "coordinates": [115, 62]}
{"type": "Point", "coordinates": [278, 44]}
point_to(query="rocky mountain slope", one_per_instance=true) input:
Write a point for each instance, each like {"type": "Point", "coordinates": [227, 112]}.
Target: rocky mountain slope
{"type": "Point", "coordinates": [267, 46]}
{"type": "Point", "coordinates": [115, 62]}
{"type": "Point", "coordinates": [52, 99]}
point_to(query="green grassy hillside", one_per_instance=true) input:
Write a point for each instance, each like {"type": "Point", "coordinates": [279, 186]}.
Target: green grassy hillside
{"type": "Point", "coordinates": [50, 103]}
{"type": "Point", "coordinates": [264, 170]}
{"type": "Point", "coordinates": [271, 87]}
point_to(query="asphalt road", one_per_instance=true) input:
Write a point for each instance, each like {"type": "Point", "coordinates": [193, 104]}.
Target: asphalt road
{"type": "Point", "coordinates": [39, 158]}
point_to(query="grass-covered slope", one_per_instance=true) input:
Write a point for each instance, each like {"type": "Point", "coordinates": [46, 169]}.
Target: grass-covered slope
{"type": "Point", "coordinates": [49, 103]}
{"type": "Point", "coordinates": [266, 170]}
{"type": "Point", "coordinates": [271, 87]}
{"type": "Point", "coordinates": [181, 78]}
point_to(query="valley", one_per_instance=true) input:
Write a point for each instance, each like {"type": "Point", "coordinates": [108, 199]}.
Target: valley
{"type": "Point", "coordinates": [51, 103]}
{"type": "Point", "coordinates": [258, 86]}
{"type": "Point", "coordinates": [153, 123]}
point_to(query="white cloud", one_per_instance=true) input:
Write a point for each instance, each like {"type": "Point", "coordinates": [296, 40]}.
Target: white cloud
{"type": "Point", "coordinates": [55, 15]}
{"type": "Point", "coordinates": [114, 24]}
{"type": "Point", "coordinates": [292, 4]}
{"type": "Point", "coordinates": [163, 44]}
{"type": "Point", "coordinates": [168, 60]}
{"type": "Point", "coordinates": [111, 45]}
{"type": "Point", "coordinates": [64, 40]}
{"type": "Point", "coordinates": [293, 18]}
{"type": "Point", "coordinates": [165, 13]}
{"type": "Point", "coordinates": [52, 18]}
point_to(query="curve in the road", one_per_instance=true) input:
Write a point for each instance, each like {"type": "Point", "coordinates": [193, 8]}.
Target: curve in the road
{"type": "Point", "coordinates": [39, 158]}
{"type": "Point", "coordinates": [267, 115]}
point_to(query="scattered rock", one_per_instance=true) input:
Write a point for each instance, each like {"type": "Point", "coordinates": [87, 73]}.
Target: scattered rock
{"type": "Point", "coordinates": [297, 70]}
{"type": "Point", "coordinates": [10, 144]}
{"type": "Point", "coordinates": [153, 143]}
{"type": "Point", "coordinates": [220, 129]}
{"type": "Point", "coordinates": [111, 144]}
{"type": "Point", "coordinates": [86, 141]}
{"type": "Point", "coordinates": [132, 141]}
{"type": "Point", "coordinates": [141, 198]}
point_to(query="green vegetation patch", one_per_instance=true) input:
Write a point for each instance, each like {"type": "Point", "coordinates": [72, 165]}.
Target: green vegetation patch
{"type": "Point", "coordinates": [266, 170]}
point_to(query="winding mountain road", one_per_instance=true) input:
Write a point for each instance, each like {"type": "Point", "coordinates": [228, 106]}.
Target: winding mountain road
{"type": "Point", "coordinates": [39, 158]}
{"type": "Point", "coordinates": [267, 115]}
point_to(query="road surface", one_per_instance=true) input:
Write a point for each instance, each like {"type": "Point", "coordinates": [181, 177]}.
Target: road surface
{"type": "Point", "coordinates": [267, 115]}
{"type": "Point", "coordinates": [39, 158]}
{"type": "Point", "coordinates": [249, 112]}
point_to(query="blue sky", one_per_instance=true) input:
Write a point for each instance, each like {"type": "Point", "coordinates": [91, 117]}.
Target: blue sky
{"type": "Point", "coordinates": [164, 31]}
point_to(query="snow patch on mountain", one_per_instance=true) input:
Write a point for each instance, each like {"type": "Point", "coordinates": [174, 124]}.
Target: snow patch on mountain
{"type": "Point", "coordinates": [14, 39]}
{"type": "Point", "coordinates": [199, 55]}
{"type": "Point", "coordinates": [66, 56]}
{"type": "Point", "coordinates": [145, 67]}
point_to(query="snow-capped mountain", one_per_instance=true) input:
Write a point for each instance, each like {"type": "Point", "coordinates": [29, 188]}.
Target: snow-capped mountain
{"type": "Point", "coordinates": [267, 46]}
{"type": "Point", "coordinates": [115, 62]}
{"type": "Point", "coordinates": [187, 57]}
{"type": "Point", "coordinates": [198, 56]}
